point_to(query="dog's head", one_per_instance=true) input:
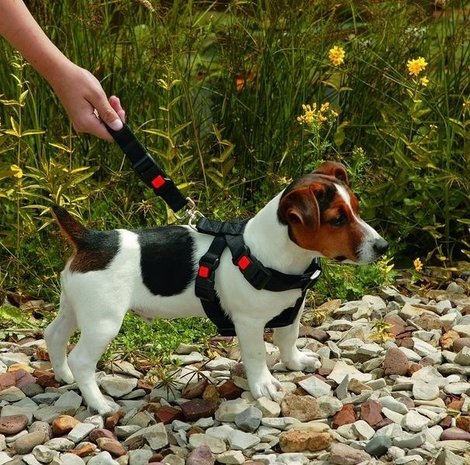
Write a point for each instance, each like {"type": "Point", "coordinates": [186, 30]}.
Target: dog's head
{"type": "Point", "coordinates": [322, 215]}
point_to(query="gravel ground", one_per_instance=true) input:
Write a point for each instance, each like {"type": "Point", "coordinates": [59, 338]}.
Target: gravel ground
{"type": "Point", "coordinates": [403, 400]}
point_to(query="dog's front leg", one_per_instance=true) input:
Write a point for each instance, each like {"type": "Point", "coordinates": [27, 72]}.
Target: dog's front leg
{"type": "Point", "coordinates": [253, 352]}
{"type": "Point", "coordinates": [285, 338]}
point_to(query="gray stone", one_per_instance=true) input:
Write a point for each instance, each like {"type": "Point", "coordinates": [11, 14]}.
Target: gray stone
{"type": "Point", "coordinates": [80, 431]}
{"type": "Point", "coordinates": [140, 456]}
{"type": "Point", "coordinates": [43, 454]}
{"type": "Point", "coordinates": [315, 386]}
{"type": "Point", "coordinates": [49, 412]}
{"type": "Point", "coordinates": [11, 394]}
{"type": "Point", "coordinates": [410, 441]}
{"type": "Point", "coordinates": [463, 357]}
{"type": "Point", "coordinates": [249, 420]}
{"type": "Point", "coordinates": [71, 459]}
{"type": "Point", "coordinates": [231, 457]}
{"type": "Point", "coordinates": [393, 404]}
{"type": "Point", "coordinates": [118, 386]}
{"type": "Point", "coordinates": [415, 422]}
{"type": "Point", "coordinates": [103, 458]}
{"type": "Point", "coordinates": [457, 388]}
{"type": "Point", "coordinates": [69, 399]}
{"type": "Point", "coordinates": [216, 445]}
{"type": "Point", "coordinates": [239, 440]}
{"type": "Point", "coordinates": [156, 436]}
{"type": "Point", "coordinates": [364, 430]}
{"type": "Point", "coordinates": [341, 369]}
{"type": "Point", "coordinates": [60, 444]}
{"type": "Point", "coordinates": [26, 443]}
{"type": "Point", "coordinates": [447, 457]}
{"type": "Point", "coordinates": [229, 409]}
{"type": "Point", "coordinates": [425, 391]}
{"type": "Point", "coordinates": [268, 407]}
{"type": "Point", "coordinates": [378, 446]}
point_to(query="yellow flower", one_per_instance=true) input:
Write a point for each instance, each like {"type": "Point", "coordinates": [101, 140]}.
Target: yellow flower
{"type": "Point", "coordinates": [336, 55]}
{"type": "Point", "coordinates": [416, 66]}
{"type": "Point", "coordinates": [16, 171]}
{"type": "Point", "coordinates": [424, 81]}
{"type": "Point", "coordinates": [418, 264]}
{"type": "Point", "coordinates": [313, 116]}
{"type": "Point", "coordinates": [466, 105]}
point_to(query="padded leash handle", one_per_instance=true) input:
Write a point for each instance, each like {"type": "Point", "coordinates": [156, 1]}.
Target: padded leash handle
{"type": "Point", "coordinates": [147, 168]}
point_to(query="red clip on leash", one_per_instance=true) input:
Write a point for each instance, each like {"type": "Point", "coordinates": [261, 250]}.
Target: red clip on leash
{"type": "Point", "coordinates": [148, 170]}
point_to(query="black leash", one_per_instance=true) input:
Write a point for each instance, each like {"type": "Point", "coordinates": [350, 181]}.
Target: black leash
{"type": "Point", "coordinates": [148, 170]}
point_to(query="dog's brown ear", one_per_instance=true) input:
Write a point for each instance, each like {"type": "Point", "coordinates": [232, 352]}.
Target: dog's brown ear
{"type": "Point", "coordinates": [337, 170]}
{"type": "Point", "coordinates": [300, 207]}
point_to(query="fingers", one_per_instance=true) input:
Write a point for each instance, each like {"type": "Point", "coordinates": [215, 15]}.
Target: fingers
{"type": "Point", "coordinates": [107, 113]}
{"type": "Point", "coordinates": [115, 102]}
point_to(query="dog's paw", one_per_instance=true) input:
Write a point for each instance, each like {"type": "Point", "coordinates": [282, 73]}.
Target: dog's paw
{"type": "Point", "coordinates": [64, 375]}
{"type": "Point", "coordinates": [106, 408]}
{"type": "Point", "coordinates": [303, 361]}
{"type": "Point", "coordinates": [265, 386]}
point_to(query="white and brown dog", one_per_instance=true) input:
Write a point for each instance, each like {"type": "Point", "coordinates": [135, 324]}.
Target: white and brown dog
{"type": "Point", "coordinates": [152, 272]}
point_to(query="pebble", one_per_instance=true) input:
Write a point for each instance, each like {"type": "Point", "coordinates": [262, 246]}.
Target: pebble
{"type": "Point", "coordinates": [366, 403]}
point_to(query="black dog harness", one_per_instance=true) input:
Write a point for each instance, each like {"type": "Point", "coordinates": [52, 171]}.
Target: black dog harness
{"type": "Point", "coordinates": [226, 234]}
{"type": "Point", "coordinates": [230, 234]}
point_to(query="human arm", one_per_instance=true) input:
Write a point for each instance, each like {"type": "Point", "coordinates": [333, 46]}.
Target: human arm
{"type": "Point", "coordinates": [78, 90]}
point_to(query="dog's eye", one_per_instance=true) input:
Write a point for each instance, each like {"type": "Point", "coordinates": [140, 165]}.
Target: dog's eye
{"type": "Point", "coordinates": [340, 220]}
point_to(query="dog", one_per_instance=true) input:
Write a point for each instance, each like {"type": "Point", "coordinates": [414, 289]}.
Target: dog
{"type": "Point", "coordinates": [152, 272]}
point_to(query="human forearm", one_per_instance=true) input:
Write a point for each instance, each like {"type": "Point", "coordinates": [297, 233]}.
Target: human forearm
{"type": "Point", "coordinates": [23, 32]}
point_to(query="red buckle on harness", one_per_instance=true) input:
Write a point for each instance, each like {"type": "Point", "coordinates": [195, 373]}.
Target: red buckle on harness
{"type": "Point", "coordinates": [244, 262]}
{"type": "Point", "coordinates": [204, 272]}
{"type": "Point", "coordinates": [158, 181]}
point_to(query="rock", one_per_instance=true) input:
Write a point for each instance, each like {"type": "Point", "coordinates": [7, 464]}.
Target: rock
{"type": "Point", "coordinates": [118, 386]}
{"type": "Point", "coordinates": [378, 446]}
{"type": "Point", "coordinates": [371, 412]}
{"type": "Point", "coordinates": [249, 420]}
{"type": "Point", "coordinates": [69, 399]}
{"type": "Point", "coordinates": [342, 454]}
{"type": "Point", "coordinates": [231, 457]}
{"type": "Point", "coordinates": [25, 444]}
{"type": "Point", "coordinates": [447, 457]}
{"type": "Point", "coordinates": [425, 391]}
{"type": "Point", "coordinates": [415, 422]}
{"type": "Point", "coordinates": [463, 357]}
{"type": "Point", "coordinates": [342, 369]}
{"type": "Point", "coordinates": [13, 424]}
{"type": "Point", "coordinates": [410, 441]}
{"type": "Point", "coordinates": [201, 455]}
{"type": "Point", "coordinates": [198, 408]}
{"type": "Point", "coordinates": [364, 430]}
{"type": "Point", "coordinates": [229, 409]}
{"type": "Point", "coordinates": [167, 414]}
{"type": "Point", "coordinates": [11, 394]}
{"type": "Point", "coordinates": [80, 431]}
{"type": "Point", "coordinates": [44, 455]}
{"type": "Point", "coordinates": [239, 440]}
{"type": "Point", "coordinates": [447, 340]}
{"type": "Point", "coordinates": [301, 441]}
{"type": "Point", "coordinates": [103, 458]}
{"type": "Point", "coordinates": [268, 407]}
{"type": "Point", "coordinates": [304, 408]}
{"type": "Point", "coordinates": [455, 434]}
{"type": "Point", "coordinates": [70, 459]}
{"type": "Point", "coordinates": [216, 445]}
{"type": "Point", "coordinates": [345, 416]}
{"type": "Point", "coordinates": [459, 343]}
{"type": "Point", "coordinates": [395, 362]}
{"type": "Point", "coordinates": [63, 424]}
{"type": "Point", "coordinates": [115, 448]}
{"type": "Point", "coordinates": [315, 386]}
{"type": "Point", "coordinates": [328, 405]}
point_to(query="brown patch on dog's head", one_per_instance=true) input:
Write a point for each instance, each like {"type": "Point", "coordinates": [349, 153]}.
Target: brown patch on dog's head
{"type": "Point", "coordinates": [319, 217]}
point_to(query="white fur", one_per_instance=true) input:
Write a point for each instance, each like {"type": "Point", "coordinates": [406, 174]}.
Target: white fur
{"type": "Point", "coordinates": [96, 302]}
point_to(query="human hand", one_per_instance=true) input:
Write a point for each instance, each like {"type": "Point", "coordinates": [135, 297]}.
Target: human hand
{"type": "Point", "coordinates": [84, 100]}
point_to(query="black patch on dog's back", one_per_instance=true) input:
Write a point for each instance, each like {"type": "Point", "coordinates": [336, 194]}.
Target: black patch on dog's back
{"type": "Point", "coordinates": [166, 259]}
{"type": "Point", "coordinates": [95, 251]}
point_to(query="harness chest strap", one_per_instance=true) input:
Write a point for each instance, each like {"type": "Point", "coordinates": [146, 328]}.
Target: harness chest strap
{"type": "Point", "coordinates": [231, 234]}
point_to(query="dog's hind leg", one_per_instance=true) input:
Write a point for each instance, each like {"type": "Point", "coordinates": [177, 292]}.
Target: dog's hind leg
{"type": "Point", "coordinates": [57, 335]}
{"type": "Point", "coordinates": [285, 338]}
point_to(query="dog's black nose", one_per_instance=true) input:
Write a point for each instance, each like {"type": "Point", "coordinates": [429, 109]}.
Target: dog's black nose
{"type": "Point", "coordinates": [380, 246]}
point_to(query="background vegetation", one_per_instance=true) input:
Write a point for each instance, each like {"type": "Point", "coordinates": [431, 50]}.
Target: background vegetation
{"type": "Point", "coordinates": [214, 90]}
